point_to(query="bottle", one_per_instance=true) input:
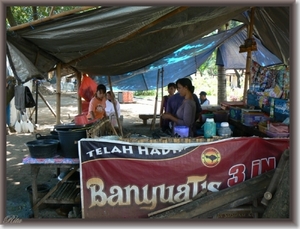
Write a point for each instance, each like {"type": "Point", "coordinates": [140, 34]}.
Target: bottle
{"type": "Point", "coordinates": [209, 128]}
{"type": "Point", "coordinates": [224, 130]}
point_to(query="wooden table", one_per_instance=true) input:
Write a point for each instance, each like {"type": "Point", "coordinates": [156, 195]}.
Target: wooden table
{"type": "Point", "coordinates": [60, 188]}
{"type": "Point", "coordinates": [145, 117]}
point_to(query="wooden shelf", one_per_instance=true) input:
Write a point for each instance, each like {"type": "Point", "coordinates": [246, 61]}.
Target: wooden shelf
{"type": "Point", "coordinates": [67, 193]}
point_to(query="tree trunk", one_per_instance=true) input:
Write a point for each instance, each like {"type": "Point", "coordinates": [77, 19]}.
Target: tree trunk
{"type": "Point", "coordinates": [34, 12]}
{"type": "Point", "coordinates": [10, 17]}
{"type": "Point", "coordinates": [222, 95]}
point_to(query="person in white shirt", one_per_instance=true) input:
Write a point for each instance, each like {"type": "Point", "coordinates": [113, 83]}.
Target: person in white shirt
{"type": "Point", "coordinates": [203, 100]}
{"type": "Point", "coordinates": [111, 98]}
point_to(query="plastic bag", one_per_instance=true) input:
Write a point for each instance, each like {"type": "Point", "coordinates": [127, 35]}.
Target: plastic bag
{"type": "Point", "coordinates": [87, 88]}
{"type": "Point", "coordinates": [18, 127]}
{"type": "Point", "coordinates": [29, 101]}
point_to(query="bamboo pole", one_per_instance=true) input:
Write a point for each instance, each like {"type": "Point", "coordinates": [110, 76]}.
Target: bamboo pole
{"type": "Point", "coordinates": [58, 92]}
{"type": "Point", "coordinates": [155, 106]}
{"type": "Point", "coordinates": [22, 26]}
{"type": "Point", "coordinates": [79, 104]}
{"type": "Point", "coordinates": [249, 58]}
{"type": "Point", "coordinates": [116, 112]}
{"type": "Point", "coordinates": [51, 11]}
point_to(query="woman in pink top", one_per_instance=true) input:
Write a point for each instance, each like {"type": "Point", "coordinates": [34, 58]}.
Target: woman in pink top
{"type": "Point", "coordinates": [185, 115]}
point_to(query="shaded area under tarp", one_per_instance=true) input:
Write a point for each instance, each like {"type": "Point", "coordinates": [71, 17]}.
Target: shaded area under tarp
{"type": "Point", "coordinates": [123, 41]}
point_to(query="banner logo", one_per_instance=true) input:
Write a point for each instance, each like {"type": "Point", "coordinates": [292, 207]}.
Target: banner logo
{"type": "Point", "coordinates": [210, 157]}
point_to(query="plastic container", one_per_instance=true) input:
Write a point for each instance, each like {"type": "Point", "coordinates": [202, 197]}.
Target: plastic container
{"type": "Point", "coordinates": [209, 128]}
{"type": "Point", "coordinates": [182, 131]}
{"type": "Point", "coordinates": [224, 130]}
{"type": "Point", "coordinates": [81, 119]}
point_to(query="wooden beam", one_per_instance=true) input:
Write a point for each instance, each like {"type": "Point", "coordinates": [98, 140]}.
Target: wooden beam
{"type": "Point", "coordinates": [239, 194]}
{"type": "Point", "coordinates": [32, 23]}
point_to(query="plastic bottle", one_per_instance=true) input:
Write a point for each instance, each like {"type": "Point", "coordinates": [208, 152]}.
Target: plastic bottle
{"type": "Point", "coordinates": [224, 130]}
{"type": "Point", "coordinates": [209, 128]}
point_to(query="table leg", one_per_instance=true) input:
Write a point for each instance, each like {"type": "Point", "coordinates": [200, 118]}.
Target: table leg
{"type": "Point", "coordinates": [34, 173]}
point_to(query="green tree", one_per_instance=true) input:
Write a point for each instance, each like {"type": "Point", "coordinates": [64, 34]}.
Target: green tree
{"type": "Point", "coordinates": [16, 15]}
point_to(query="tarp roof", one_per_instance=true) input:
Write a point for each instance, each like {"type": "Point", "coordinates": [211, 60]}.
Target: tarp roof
{"type": "Point", "coordinates": [118, 41]}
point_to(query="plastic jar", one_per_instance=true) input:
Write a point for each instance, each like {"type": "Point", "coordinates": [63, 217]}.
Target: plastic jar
{"type": "Point", "coordinates": [224, 130]}
{"type": "Point", "coordinates": [209, 128]}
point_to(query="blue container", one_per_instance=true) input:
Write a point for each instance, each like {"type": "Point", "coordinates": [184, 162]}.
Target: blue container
{"type": "Point", "coordinates": [182, 131]}
{"type": "Point", "coordinates": [209, 128]}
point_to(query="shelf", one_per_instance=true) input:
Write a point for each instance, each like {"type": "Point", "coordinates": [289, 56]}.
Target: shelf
{"type": "Point", "coordinates": [67, 193]}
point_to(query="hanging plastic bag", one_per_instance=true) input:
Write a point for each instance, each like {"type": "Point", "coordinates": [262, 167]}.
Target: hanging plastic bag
{"type": "Point", "coordinates": [18, 127]}
{"type": "Point", "coordinates": [24, 117]}
{"type": "Point", "coordinates": [87, 88]}
{"type": "Point", "coordinates": [24, 126]}
{"type": "Point", "coordinates": [30, 126]}
{"type": "Point", "coordinates": [29, 101]}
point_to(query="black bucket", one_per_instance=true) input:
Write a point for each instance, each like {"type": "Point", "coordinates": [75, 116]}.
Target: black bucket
{"type": "Point", "coordinates": [38, 136]}
{"type": "Point", "coordinates": [69, 142]}
{"type": "Point", "coordinates": [46, 148]}
{"type": "Point", "coordinates": [42, 190]}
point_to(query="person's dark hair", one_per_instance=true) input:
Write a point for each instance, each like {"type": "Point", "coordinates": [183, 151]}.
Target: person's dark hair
{"type": "Point", "coordinates": [203, 93]}
{"type": "Point", "coordinates": [172, 85]}
{"type": "Point", "coordinates": [186, 82]}
{"type": "Point", "coordinates": [101, 87]}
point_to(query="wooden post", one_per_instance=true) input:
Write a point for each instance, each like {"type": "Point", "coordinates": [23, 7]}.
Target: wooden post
{"type": "Point", "coordinates": [116, 112]}
{"type": "Point", "coordinates": [79, 104]}
{"type": "Point", "coordinates": [155, 106]}
{"type": "Point", "coordinates": [249, 58]}
{"type": "Point", "coordinates": [58, 92]}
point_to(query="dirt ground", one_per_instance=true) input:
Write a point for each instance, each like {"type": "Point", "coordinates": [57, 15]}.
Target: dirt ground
{"type": "Point", "coordinates": [18, 176]}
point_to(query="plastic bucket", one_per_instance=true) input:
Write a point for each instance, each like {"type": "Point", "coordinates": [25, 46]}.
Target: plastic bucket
{"type": "Point", "coordinates": [81, 119]}
{"type": "Point", "coordinates": [69, 142]}
{"type": "Point", "coordinates": [42, 190]}
{"type": "Point", "coordinates": [182, 131]}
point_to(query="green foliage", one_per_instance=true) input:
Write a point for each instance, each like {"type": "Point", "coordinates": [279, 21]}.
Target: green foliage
{"type": "Point", "coordinates": [24, 14]}
{"type": "Point", "coordinates": [145, 93]}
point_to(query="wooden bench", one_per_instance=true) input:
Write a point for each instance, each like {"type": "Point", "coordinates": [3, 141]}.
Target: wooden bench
{"type": "Point", "coordinates": [145, 117]}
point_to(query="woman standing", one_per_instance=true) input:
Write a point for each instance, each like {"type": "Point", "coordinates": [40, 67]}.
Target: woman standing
{"type": "Point", "coordinates": [185, 115]}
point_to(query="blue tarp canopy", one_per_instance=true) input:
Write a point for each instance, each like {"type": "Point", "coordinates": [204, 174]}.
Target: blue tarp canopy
{"type": "Point", "coordinates": [186, 60]}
